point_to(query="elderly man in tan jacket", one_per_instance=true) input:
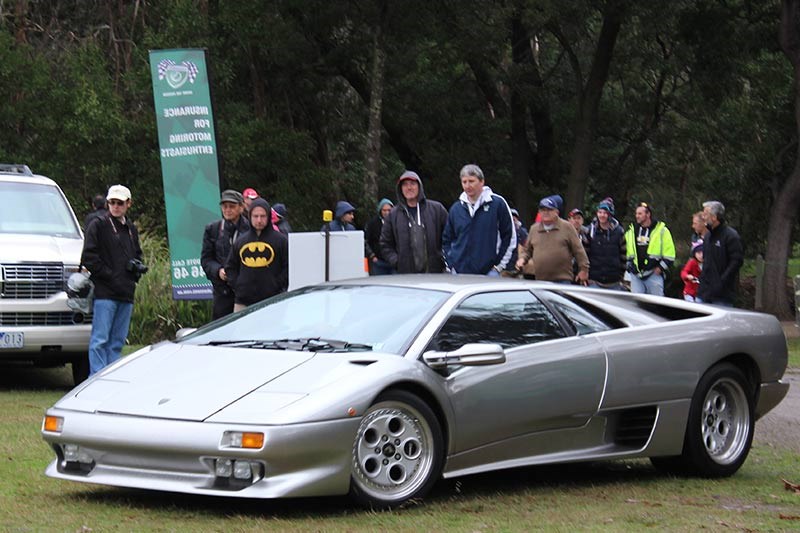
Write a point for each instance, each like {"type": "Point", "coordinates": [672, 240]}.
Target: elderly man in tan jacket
{"type": "Point", "coordinates": [552, 246]}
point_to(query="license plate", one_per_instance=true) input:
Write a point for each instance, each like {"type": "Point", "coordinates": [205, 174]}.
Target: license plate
{"type": "Point", "coordinates": [13, 339]}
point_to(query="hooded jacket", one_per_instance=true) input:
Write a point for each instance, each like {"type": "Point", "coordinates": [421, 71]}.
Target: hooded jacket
{"type": "Point", "coordinates": [607, 251]}
{"type": "Point", "coordinates": [398, 244]}
{"type": "Point", "coordinates": [336, 224]}
{"type": "Point", "coordinates": [476, 243]}
{"type": "Point", "coordinates": [258, 265]}
{"type": "Point", "coordinates": [372, 232]}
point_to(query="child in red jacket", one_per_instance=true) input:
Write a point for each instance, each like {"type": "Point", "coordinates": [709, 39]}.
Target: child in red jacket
{"type": "Point", "coordinates": [691, 273]}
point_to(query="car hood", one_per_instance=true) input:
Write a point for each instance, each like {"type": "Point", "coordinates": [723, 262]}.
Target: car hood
{"type": "Point", "coordinates": [16, 248]}
{"type": "Point", "coordinates": [188, 382]}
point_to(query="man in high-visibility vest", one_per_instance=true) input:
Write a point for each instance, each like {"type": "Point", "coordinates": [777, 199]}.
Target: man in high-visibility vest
{"type": "Point", "coordinates": [650, 252]}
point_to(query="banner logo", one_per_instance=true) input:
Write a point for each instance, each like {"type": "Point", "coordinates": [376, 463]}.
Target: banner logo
{"type": "Point", "coordinates": [175, 74]}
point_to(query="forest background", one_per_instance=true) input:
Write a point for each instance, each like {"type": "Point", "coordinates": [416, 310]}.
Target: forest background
{"type": "Point", "coordinates": [671, 103]}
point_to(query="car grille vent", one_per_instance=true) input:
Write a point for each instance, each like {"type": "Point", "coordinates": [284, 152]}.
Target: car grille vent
{"type": "Point", "coordinates": [65, 318]}
{"type": "Point", "coordinates": [23, 281]}
{"type": "Point", "coordinates": [634, 426]}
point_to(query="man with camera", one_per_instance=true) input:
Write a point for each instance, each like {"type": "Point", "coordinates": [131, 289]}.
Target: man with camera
{"type": "Point", "coordinates": [112, 254]}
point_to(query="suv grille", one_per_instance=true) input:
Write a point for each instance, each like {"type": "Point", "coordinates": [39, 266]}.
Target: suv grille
{"type": "Point", "coordinates": [61, 318]}
{"type": "Point", "coordinates": [20, 281]}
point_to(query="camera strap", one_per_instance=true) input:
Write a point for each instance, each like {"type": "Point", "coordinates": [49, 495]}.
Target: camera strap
{"type": "Point", "coordinates": [119, 240]}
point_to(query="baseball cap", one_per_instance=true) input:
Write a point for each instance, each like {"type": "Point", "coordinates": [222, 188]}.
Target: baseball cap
{"type": "Point", "coordinates": [229, 195]}
{"type": "Point", "coordinates": [118, 192]}
{"type": "Point", "coordinates": [551, 202]}
{"type": "Point", "coordinates": [250, 193]}
{"type": "Point", "coordinates": [575, 212]}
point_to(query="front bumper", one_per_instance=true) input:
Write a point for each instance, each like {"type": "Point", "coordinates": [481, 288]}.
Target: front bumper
{"type": "Point", "coordinates": [311, 459]}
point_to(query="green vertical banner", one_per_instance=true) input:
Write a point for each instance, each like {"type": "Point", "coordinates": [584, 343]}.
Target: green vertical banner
{"type": "Point", "coordinates": [189, 166]}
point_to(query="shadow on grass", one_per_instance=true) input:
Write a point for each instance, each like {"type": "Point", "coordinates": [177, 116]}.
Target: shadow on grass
{"type": "Point", "coordinates": [25, 376]}
{"type": "Point", "coordinates": [507, 483]}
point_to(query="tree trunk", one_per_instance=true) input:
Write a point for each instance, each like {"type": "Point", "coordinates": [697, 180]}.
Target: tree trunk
{"type": "Point", "coordinates": [374, 129]}
{"type": "Point", "coordinates": [521, 153]}
{"type": "Point", "coordinates": [20, 21]}
{"type": "Point", "coordinates": [784, 212]}
{"type": "Point", "coordinates": [588, 104]}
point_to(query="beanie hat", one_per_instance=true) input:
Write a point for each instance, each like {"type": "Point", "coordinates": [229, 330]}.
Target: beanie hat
{"type": "Point", "coordinates": [607, 203]}
{"type": "Point", "coordinates": [697, 246]}
{"type": "Point", "coordinates": [280, 209]}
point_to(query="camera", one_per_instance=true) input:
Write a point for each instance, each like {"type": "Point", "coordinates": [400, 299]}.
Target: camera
{"type": "Point", "coordinates": [136, 268]}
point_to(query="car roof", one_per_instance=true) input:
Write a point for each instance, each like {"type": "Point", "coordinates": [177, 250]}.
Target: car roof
{"type": "Point", "coordinates": [16, 177]}
{"type": "Point", "coordinates": [445, 282]}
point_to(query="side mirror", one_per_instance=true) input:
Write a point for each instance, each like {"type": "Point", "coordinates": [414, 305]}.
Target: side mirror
{"type": "Point", "coordinates": [181, 333]}
{"type": "Point", "coordinates": [468, 355]}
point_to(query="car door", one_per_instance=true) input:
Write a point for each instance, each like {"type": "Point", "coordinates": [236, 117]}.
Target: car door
{"type": "Point", "coordinates": [550, 380]}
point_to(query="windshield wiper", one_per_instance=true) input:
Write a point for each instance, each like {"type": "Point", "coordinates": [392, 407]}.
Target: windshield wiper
{"type": "Point", "coordinates": [332, 345]}
{"type": "Point", "coordinates": [281, 344]}
{"type": "Point", "coordinates": [309, 344]}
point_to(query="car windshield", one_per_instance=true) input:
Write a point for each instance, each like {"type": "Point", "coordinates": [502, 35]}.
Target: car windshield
{"type": "Point", "coordinates": [35, 209]}
{"type": "Point", "coordinates": [328, 318]}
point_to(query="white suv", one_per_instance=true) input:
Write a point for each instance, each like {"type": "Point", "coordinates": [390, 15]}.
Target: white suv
{"type": "Point", "coordinates": [40, 246]}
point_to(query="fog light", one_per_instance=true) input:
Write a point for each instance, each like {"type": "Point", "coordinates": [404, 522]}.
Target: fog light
{"type": "Point", "coordinates": [223, 468]}
{"type": "Point", "coordinates": [53, 423]}
{"type": "Point", "coordinates": [242, 470]}
{"type": "Point", "coordinates": [71, 452]}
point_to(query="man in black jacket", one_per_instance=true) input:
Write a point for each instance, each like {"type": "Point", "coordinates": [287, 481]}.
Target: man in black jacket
{"type": "Point", "coordinates": [258, 265]}
{"type": "Point", "coordinates": [112, 254]}
{"type": "Point", "coordinates": [411, 238]}
{"type": "Point", "coordinates": [722, 258]}
{"type": "Point", "coordinates": [218, 238]}
{"type": "Point", "coordinates": [605, 246]}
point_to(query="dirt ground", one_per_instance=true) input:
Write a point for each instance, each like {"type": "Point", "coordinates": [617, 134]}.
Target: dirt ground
{"type": "Point", "coordinates": [781, 426]}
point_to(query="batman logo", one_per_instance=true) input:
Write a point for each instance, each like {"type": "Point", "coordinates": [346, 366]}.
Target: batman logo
{"type": "Point", "coordinates": [256, 254]}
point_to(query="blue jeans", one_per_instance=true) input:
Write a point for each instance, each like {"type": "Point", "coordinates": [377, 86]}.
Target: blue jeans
{"type": "Point", "coordinates": [110, 322]}
{"type": "Point", "coordinates": [652, 284]}
{"type": "Point", "coordinates": [380, 268]}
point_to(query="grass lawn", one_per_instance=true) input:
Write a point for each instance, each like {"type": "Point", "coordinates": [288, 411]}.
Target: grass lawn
{"type": "Point", "coordinates": [613, 496]}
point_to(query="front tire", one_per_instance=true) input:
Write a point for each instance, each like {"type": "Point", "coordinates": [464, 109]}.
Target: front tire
{"type": "Point", "coordinates": [719, 432]}
{"type": "Point", "coordinates": [397, 453]}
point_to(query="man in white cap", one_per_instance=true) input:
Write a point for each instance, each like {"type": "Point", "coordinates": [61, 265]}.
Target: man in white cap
{"type": "Point", "coordinates": [112, 254]}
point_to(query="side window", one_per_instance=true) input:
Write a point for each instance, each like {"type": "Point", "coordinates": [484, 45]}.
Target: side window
{"type": "Point", "coordinates": [510, 318]}
{"type": "Point", "coordinates": [583, 321]}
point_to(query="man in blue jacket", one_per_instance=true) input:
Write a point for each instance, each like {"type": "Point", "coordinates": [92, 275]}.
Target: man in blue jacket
{"type": "Point", "coordinates": [479, 237]}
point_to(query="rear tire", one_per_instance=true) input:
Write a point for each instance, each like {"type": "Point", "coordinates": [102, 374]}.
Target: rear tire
{"type": "Point", "coordinates": [397, 453]}
{"type": "Point", "coordinates": [80, 368]}
{"type": "Point", "coordinates": [719, 430]}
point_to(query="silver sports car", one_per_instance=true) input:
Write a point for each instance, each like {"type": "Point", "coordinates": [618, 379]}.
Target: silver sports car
{"type": "Point", "coordinates": [380, 386]}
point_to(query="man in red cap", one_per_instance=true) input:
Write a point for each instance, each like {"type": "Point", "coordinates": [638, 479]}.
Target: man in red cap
{"type": "Point", "coordinates": [249, 195]}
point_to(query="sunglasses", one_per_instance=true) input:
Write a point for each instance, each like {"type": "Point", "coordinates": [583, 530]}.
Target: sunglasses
{"type": "Point", "coordinates": [116, 202]}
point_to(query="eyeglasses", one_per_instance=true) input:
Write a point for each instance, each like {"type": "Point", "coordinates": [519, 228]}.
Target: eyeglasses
{"type": "Point", "coordinates": [116, 202]}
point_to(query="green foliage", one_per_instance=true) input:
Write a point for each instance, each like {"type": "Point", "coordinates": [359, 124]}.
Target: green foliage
{"type": "Point", "coordinates": [156, 316]}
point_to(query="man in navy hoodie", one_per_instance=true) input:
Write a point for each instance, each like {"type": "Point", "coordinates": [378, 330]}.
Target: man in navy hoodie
{"type": "Point", "coordinates": [479, 237]}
